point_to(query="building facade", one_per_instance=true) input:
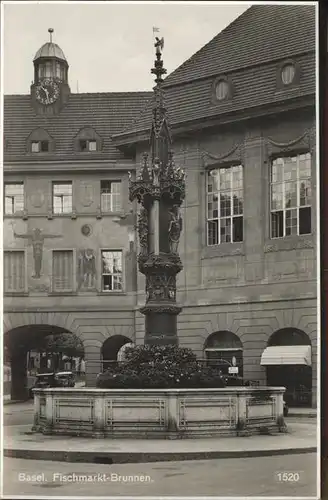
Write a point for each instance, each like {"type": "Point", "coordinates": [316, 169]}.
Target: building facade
{"type": "Point", "coordinates": [242, 112]}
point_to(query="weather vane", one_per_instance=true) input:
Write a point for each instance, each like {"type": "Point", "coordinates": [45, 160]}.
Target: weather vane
{"type": "Point", "coordinates": [50, 30]}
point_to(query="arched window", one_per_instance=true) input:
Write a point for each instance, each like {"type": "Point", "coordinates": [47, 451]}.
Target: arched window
{"type": "Point", "coordinates": [289, 336]}
{"type": "Point", "coordinates": [111, 348]}
{"type": "Point", "coordinates": [224, 349]}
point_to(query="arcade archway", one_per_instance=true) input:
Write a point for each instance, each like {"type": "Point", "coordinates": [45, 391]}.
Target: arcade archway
{"type": "Point", "coordinates": [28, 351]}
{"type": "Point", "coordinates": [111, 348]}
{"type": "Point", "coordinates": [288, 363]}
{"type": "Point", "coordinates": [225, 350]}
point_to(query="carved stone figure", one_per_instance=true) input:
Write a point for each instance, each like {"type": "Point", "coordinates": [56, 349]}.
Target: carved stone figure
{"type": "Point", "coordinates": [159, 45]}
{"type": "Point", "coordinates": [175, 228]}
{"type": "Point", "coordinates": [143, 231]}
{"type": "Point", "coordinates": [87, 268]}
{"type": "Point", "coordinates": [156, 171]}
{"type": "Point", "coordinates": [36, 238]}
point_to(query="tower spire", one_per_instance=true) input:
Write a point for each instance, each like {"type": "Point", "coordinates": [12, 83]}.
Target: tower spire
{"type": "Point", "coordinates": [160, 189]}
{"type": "Point", "coordinates": [160, 140]}
{"type": "Point", "coordinates": [50, 31]}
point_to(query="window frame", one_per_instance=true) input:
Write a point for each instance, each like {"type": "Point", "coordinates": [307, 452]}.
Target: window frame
{"type": "Point", "coordinates": [230, 89]}
{"type": "Point", "coordinates": [220, 243]}
{"type": "Point", "coordinates": [101, 274]}
{"type": "Point", "coordinates": [17, 212]}
{"type": "Point", "coordinates": [63, 183]}
{"type": "Point", "coordinates": [24, 291]}
{"type": "Point", "coordinates": [74, 284]}
{"type": "Point", "coordinates": [282, 155]}
{"type": "Point", "coordinates": [111, 181]}
{"type": "Point", "coordinates": [88, 142]}
{"type": "Point", "coordinates": [297, 75]}
{"type": "Point", "coordinates": [40, 143]}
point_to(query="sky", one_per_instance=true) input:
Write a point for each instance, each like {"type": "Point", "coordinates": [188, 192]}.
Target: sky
{"type": "Point", "coordinates": [108, 46]}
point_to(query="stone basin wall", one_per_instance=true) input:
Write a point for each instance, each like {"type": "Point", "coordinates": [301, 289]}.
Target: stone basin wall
{"type": "Point", "coordinates": [158, 413]}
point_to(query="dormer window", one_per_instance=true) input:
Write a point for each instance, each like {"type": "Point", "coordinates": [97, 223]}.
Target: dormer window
{"type": "Point", "coordinates": [288, 74]}
{"type": "Point", "coordinates": [87, 141]}
{"type": "Point", "coordinates": [39, 141]}
{"type": "Point", "coordinates": [39, 146]}
{"type": "Point", "coordinates": [222, 90]}
{"type": "Point", "coordinates": [88, 145]}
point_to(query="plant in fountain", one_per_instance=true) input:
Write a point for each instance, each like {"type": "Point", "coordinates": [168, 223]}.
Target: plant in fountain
{"type": "Point", "coordinates": [160, 367]}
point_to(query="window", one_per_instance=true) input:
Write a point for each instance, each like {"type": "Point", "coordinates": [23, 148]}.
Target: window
{"type": "Point", "coordinates": [288, 74]}
{"type": "Point", "coordinates": [291, 196]}
{"type": "Point", "coordinates": [86, 145]}
{"type": "Point", "coordinates": [62, 197]}
{"type": "Point", "coordinates": [225, 205]}
{"type": "Point", "coordinates": [48, 70]}
{"type": "Point", "coordinates": [222, 90]}
{"type": "Point", "coordinates": [40, 146]}
{"type": "Point", "coordinates": [14, 198]}
{"type": "Point", "coordinates": [110, 196]}
{"type": "Point", "coordinates": [111, 270]}
{"type": "Point", "coordinates": [62, 271]}
{"type": "Point", "coordinates": [14, 271]}
{"type": "Point", "coordinates": [58, 70]}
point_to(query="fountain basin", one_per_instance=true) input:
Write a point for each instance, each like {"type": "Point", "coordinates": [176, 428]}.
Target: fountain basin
{"type": "Point", "coordinates": [158, 413]}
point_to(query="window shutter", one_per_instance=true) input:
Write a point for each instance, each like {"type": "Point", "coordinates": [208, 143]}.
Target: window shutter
{"type": "Point", "coordinates": [62, 270]}
{"type": "Point", "coordinates": [14, 271]}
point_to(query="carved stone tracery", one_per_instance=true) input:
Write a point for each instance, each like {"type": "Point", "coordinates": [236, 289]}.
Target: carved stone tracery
{"type": "Point", "coordinates": [160, 190]}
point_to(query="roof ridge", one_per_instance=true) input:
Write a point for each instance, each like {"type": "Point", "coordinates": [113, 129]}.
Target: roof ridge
{"type": "Point", "coordinates": [134, 93]}
{"type": "Point", "coordinates": [261, 42]}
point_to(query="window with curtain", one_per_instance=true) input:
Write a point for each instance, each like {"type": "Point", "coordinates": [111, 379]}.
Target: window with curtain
{"type": "Point", "coordinates": [14, 271]}
{"type": "Point", "coordinates": [111, 270]}
{"type": "Point", "coordinates": [291, 195]}
{"type": "Point", "coordinates": [225, 205]}
{"type": "Point", "coordinates": [110, 196]}
{"type": "Point", "coordinates": [62, 194]}
{"type": "Point", "coordinates": [62, 271]}
{"type": "Point", "coordinates": [14, 197]}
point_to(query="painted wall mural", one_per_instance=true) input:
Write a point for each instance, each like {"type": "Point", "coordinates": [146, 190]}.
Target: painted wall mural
{"type": "Point", "coordinates": [36, 238]}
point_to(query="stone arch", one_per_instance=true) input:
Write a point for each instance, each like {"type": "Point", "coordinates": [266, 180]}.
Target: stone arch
{"type": "Point", "coordinates": [26, 353]}
{"type": "Point", "coordinates": [21, 319]}
{"type": "Point", "coordinates": [224, 348]}
{"type": "Point", "coordinates": [288, 363]}
{"type": "Point", "coordinates": [111, 347]}
{"type": "Point", "coordinates": [289, 336]}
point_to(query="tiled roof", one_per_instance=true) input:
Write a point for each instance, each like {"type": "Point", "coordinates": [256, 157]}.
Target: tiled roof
{"type": "Point", "coordinates": [193, 100]}
{"type": "Point", "coordinates": [107, 113]}
{"type": "Point", "coordinates": [261, 34]}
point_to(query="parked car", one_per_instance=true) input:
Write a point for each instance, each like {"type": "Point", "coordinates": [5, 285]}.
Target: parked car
{"type": "Point", "coordinates": [65, 379]}
{"type": "Point", "coordinates": [53, 379]}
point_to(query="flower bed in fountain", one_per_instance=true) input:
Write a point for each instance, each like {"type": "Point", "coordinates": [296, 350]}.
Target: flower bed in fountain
{"type": "Point", "coordinates": [159, 392]}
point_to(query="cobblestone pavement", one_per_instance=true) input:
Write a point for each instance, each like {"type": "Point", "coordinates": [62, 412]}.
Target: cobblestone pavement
{"type": "Point", "coordinates": [226, 477]}
{"type": "Point", "coordinates": [18, 413]}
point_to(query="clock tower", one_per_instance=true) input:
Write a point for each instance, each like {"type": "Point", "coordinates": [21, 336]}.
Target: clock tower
{"type": "Point", "coordinates": [50, 90]}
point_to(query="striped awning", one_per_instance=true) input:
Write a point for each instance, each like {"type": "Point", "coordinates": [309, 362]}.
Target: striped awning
{"type": "Point", "coordinates": [287, 355]}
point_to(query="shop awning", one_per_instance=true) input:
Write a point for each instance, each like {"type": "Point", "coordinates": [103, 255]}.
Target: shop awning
{"type": "Point", "coordinates": [287, 355]}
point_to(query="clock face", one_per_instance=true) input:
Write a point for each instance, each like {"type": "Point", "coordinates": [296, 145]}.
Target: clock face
{"type": "Point", "coordinates": [47, 92]}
